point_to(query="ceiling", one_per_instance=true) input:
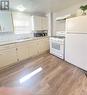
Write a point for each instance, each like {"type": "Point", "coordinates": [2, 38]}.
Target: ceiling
{"type": "Point", "coordinates": [43, 6]}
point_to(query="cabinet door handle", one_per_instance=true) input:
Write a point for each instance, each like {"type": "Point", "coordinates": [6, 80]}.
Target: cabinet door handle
{"type": "Point", "coordinates": [16, 49]}
{"type": "Point", "coordinates": [17, 59]}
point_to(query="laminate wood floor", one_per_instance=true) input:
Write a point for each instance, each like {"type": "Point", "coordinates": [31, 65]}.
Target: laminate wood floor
{"type": "Point", "coordinates": [56, 77]}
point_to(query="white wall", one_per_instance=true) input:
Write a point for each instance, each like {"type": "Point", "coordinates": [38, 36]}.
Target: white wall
{"type": "Point", "coordinates": [50, 24]}
{"type": "Point", "coordinates": [60, 26]}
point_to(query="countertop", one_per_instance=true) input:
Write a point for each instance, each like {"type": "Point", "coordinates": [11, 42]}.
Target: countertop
{"type": "Point", "coordinates": [60, 37]}
{"type": "Point", "coordinates": [20, 40]}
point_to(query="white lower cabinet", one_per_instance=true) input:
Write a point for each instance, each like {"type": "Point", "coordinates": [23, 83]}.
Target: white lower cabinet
{"type": "Point", "coordinates": [37, 47]}
{"type": "Point", "coordinates": [13, 53]}
{"type": "Point", "coordinates": [43, 45]}
{"type": "Point", "coordinates": [7, 55]}
{"type": "Point", "coordinates": [22, 50]}
{"type": "Point", "coordinates": [33, 48]}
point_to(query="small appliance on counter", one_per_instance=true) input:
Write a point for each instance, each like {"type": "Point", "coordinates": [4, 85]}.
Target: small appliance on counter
{"type": "Point", "coordinates": [40, 34]}
{"type": "Point", "coordinates": [57, 45]}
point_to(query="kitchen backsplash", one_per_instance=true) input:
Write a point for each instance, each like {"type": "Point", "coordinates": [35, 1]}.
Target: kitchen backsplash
{"type": "Point", "coordinates": [12, 36]}
{"type": "Point", "coordinates": [60, 33]}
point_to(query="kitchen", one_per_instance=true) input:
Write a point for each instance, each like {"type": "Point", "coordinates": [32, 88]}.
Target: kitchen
{"type": "Point", "coordinates": [43, 47]}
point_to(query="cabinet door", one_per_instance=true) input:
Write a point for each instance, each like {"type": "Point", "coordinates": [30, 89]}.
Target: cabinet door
{"type": "Point", "coordinates": [36, 23]}
{"type": "Point", "coordinates": [7, 57]}
{"type": "Point", "coordinates": [43, 45]}
{"type": "Point", "coordinates": [33, 48]}
{"type": "Point", "coordinates": [22, 50]}
{"type": "Point", "coordinates": [77, 24]}
{"type": "Point", "coordinates": [44, 23]}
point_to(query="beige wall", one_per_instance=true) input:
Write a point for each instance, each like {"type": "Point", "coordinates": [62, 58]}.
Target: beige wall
{"type": "Point", "coordinates": [60, 26]}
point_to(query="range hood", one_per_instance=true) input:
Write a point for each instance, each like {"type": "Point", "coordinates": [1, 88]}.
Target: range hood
{"type": "Point", "coordinates": [63, 17]}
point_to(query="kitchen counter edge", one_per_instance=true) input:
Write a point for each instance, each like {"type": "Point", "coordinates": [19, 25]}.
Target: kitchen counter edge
{"type": "Point", "coordinates": [2, 43]}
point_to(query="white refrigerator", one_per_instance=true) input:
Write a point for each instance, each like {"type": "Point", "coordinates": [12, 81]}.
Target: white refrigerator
{"type": "Point", "coordinates": [76, 41]}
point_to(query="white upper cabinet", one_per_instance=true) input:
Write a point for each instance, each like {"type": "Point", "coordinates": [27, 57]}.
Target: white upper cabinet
{"type": "Point", "coordinates": [44, 22]}
{"type": "Point", "coordinates": [39, 23]}
{"type": "Point", "coordinates": [76, 24]}
{"type": "Point", "coordinates": [6, 23]}
{"type": "Point", "coordinates": [36, 23]}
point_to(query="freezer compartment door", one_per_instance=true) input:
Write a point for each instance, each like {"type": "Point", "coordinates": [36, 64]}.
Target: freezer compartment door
{"type": "Point", "coordinates": [77, 24]}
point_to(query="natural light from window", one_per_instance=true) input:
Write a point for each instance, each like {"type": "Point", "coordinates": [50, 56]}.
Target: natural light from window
{"type": "Point", "coordinates": [22, 23]}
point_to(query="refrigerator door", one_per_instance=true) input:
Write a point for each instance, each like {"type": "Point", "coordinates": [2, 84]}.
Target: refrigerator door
{"type": "Point", "coordinates": [77, 25]}
{"type": "Point", "coordinates": [76, 50]}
